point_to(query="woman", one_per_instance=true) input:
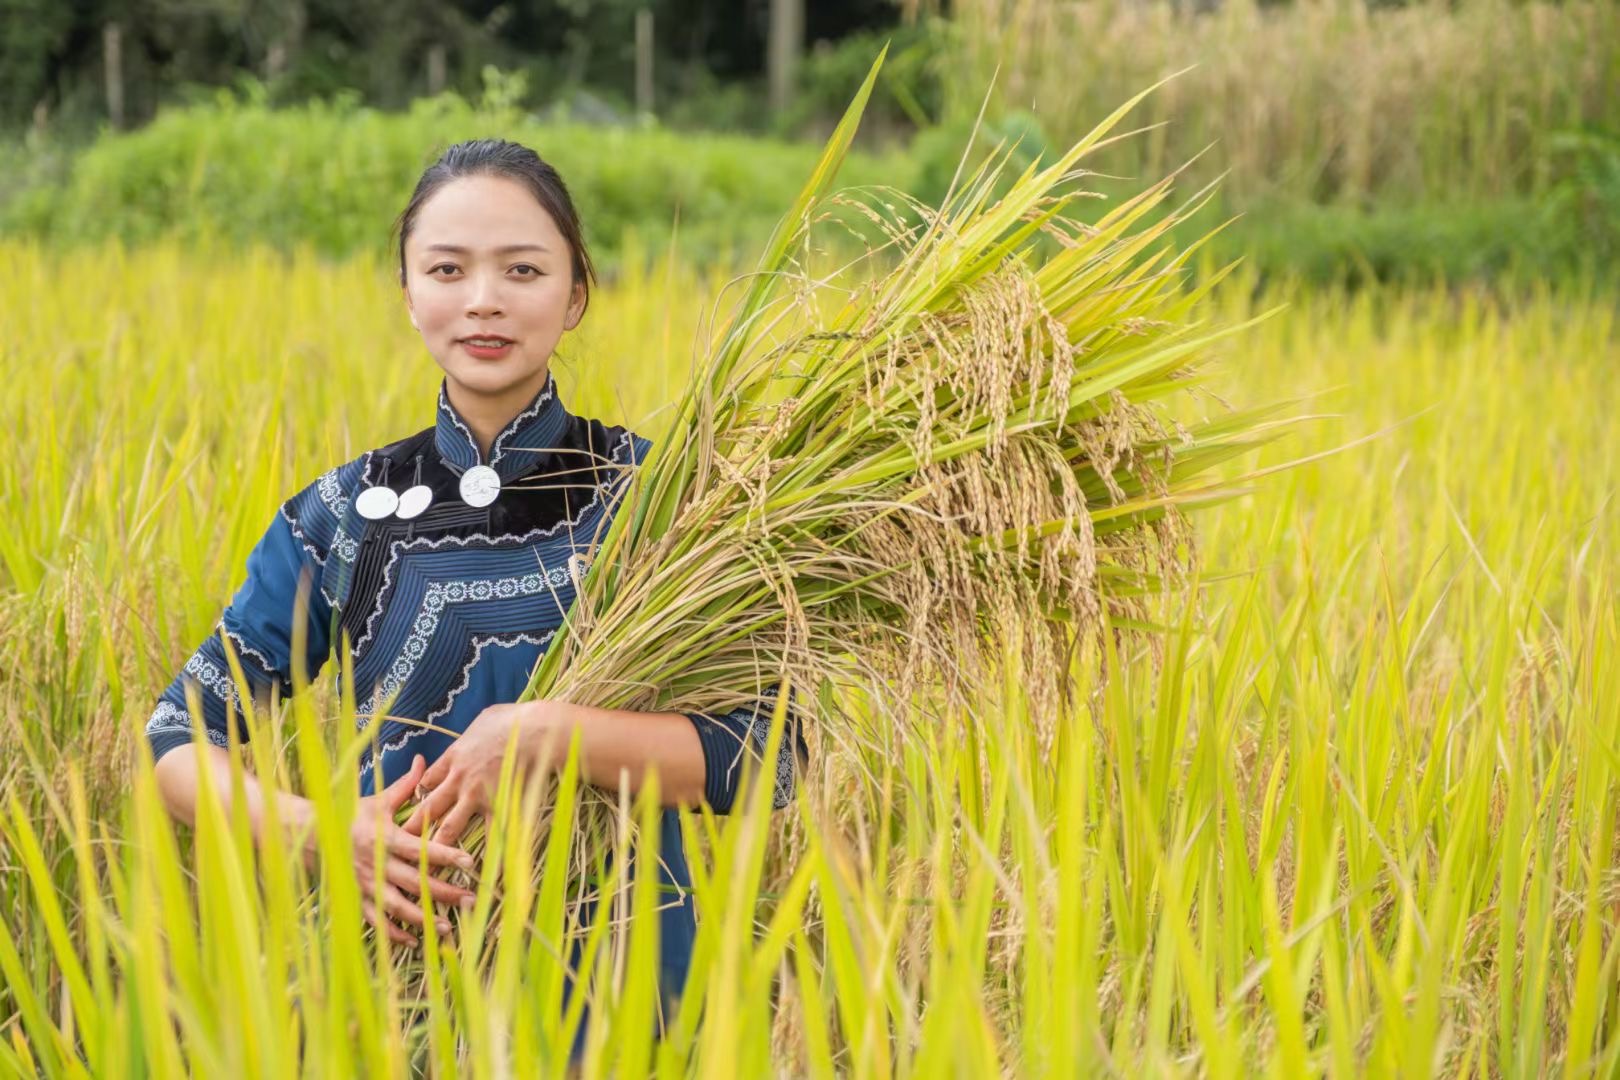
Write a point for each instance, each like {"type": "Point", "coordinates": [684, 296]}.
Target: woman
{"type": "Point", "coordinates": [449, 558]}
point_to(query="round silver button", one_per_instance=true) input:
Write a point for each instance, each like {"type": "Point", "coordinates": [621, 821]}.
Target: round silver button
{"type": "Point", "coordinates": [414, 501]}
{"type": "Point", "coordinates": [376, 503]}
{"type": "Point", "coordinates": [480, 485]}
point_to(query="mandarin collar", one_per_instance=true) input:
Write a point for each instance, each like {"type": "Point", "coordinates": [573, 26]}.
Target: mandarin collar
{"type": "Point", "coordinates": [518, 447]}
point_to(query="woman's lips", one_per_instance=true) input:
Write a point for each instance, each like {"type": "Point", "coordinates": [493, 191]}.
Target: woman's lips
{"type": "Point", "coordinates": [487, 352]}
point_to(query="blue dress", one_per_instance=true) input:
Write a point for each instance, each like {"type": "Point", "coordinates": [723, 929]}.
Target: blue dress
{"type": "Point", "coordinates": [450, 611]}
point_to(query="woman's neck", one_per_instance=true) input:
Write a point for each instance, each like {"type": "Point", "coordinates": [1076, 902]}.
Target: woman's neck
{"type": "Point", "coordinates": [487, 414]}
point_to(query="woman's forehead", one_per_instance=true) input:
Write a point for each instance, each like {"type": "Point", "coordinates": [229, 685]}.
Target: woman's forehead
{"type": "Point", "coordinates": [484, 212]}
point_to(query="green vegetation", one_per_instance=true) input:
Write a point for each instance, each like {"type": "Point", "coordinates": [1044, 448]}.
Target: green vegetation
{"type": "Point", "coordinates": [333, 176]}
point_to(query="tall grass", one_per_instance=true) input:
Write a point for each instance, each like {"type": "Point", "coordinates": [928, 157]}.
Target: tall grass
{"type": "Point", "coordinates": [1320, 100]}
{"type": "Point", "coordinates": [1359, 821]}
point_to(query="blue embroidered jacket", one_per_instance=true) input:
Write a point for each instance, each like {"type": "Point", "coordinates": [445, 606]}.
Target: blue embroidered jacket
{"type": "Point", "coordinates": [450, 611]}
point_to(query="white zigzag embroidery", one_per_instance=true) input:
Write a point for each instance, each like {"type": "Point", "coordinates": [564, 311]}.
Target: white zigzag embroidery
{"type": "Point", "coordinates": [479, 643]}
{"type": "Point", "coordinates": [330, 491]}
{"type": "Point", "coordinates": [444, 407]}
{"type": "Point", "coordinates": [517, 421]}
{"type": "Point", "coordinates": [423, 543]}
{"type": "Point", "coordinates": [298, 534]}
{"type": "Point", "coordinates": [244, 649]}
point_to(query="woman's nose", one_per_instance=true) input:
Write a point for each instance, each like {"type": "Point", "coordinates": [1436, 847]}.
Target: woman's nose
{"type": "Point", "coordinates": [485, 298]}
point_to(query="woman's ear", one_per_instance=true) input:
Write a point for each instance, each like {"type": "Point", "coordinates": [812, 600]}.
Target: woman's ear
{"type": "Point", "coordinates": [576, 307]}
{"type": "Point", "coordinates": [410, 309]}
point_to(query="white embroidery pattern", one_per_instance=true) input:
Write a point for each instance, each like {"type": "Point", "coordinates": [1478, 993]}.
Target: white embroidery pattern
{"type": "Point", "coordinates": [329, 488]}
{"type": "Point", "coordinates": [518, 421]}
{"type": "Point", "coordinates": [423, 543]}
{"type": "Point", "coordinates": [331, 492]}
{"type": "Point", "coordinates": [441, 594]}
{"type": "Point", "coordinates": [244, 649]}
{"type": "Point", "coordinates": [345, 547]}
{"type": "Point", "coordinates": [298, 534]}
{"type": "Point", "coordinates": [759, 729]}
{"type": "Point", "coordinates": [170, 717]}
{"type": "Point", "coordinates": [444, 407]}
{"type": "Point", "coordinates": [759, 726]}
{"type": "Point", "coordinates": [479, 643]}
{"type": "Point", "coordinates": [212, 679]}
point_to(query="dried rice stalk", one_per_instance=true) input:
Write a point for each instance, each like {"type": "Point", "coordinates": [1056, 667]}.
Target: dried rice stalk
{"type": "Point", "coordinates": [964, 454]}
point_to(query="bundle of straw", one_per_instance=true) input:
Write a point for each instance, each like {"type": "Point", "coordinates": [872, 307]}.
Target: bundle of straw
{"type": "Point", "coordinates": [964, 454]}
{"type": "Point", "coordinates": [899, 486]}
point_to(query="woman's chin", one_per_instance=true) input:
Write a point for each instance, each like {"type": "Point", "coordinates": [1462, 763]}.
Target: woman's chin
{"type": "Point", "coordinates": [492, 377]}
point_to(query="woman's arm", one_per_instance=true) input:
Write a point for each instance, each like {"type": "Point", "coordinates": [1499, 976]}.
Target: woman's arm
{"type": "Point", "coordinates": [613, 743]}
{"type": "Point", "coordinates": [179, 779]}
{"type": "Point", "coordinates": [281, 590]}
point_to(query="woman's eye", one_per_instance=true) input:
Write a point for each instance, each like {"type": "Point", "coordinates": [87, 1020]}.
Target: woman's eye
{"type": "Point", "coordinates": [531, 271]}
{"type": "Point", "coordinates": [442, 266]}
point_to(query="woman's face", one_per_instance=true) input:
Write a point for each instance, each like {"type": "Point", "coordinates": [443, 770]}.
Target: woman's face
{"type": "Point", "coordinates": [485, 260]}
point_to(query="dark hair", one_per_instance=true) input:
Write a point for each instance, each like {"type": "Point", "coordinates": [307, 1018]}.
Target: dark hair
{"type": "Point", "coordinates": [514, 161]}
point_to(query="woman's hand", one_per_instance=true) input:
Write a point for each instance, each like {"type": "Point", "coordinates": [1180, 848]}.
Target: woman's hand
{"type": "Point", "coordinates": [462, 782]}
{"type": "Point", "coordinates": [400, 850]}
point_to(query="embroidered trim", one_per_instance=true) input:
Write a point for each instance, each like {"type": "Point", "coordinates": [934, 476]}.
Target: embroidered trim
{"type": "Point", "coordinates": [442, 594]}
{"type": "Point", "coordinates": [479, 643]}
{"type": "Point", "coordinates": [170, 717]}
{"type": "Point", "coordinates": [330, 490]}
{"type": "Point", "coordinates": [759, 726]}
{"type": "Point", "coordinates": [424, 543]}
{"type": "Point", "coordinates": [450, 413]}
{"type": "Point", "coordinates": [345, 547]}
{"type": "Point", "coordinates": [298, 534]}
{"type": "Point", "coordinates": [546, 395]}
{"type": "Point", "coordinates": [244, 649]}
{"type": "Point", "coordinates": [212, 679]}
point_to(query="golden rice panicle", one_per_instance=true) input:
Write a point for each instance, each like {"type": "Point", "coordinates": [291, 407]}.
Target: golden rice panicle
{"type": "Point", "coordinates": [963, 454]}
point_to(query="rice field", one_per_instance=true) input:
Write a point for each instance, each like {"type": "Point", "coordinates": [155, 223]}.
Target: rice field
{"type": "Point", "coordinates": [1352, 812]}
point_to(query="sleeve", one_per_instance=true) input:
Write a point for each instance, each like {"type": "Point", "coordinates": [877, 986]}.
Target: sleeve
{"type": "Point", "coordinates": [725, 737]}
{"type": "Point", "coordinates": [259, 622]}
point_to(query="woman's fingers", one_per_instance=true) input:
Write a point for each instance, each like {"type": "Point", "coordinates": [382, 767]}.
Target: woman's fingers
{"type": "Point", "coordinates": [399, 792]}
{"type": "Point", "coordinates": [395, 933]}
{"type": "Point", "coordinates": [404, 875]}
{"type": "Point", "coordinates": [439, 802]}
{"type": "Point", "coordinates": [455, 822]}
{"type": "Point", "coordinates": [408, 847]}
{"type": "Point", "coordinates": [405, 909]}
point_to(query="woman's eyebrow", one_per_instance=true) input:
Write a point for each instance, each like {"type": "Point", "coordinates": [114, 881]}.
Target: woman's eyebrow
{"type": "Point", "coordinates": [504, 249]}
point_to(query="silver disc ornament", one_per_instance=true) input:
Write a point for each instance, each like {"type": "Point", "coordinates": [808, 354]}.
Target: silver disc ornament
{"type": "Point", "coordinates": [376, 503]}
{"type": "Point", "coordinates": [414, 501]}
{"type": "Point", "coordinates": [480, 485]}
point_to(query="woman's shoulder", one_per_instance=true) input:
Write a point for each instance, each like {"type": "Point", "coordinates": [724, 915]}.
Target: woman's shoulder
{"type": "Point", "coordinates": [315, 512]}
{"type": "Point", "coordinates": [605, 444]}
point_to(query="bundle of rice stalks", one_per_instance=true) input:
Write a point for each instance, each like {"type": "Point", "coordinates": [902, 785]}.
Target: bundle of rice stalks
{"type": "Point", "coordinates": [965, 453]}
{"type": "Point", "coordinates": [900, 485]}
